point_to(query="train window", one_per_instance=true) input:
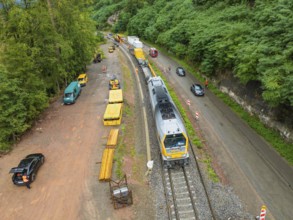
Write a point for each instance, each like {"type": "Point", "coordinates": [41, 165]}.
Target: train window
{"type": "Point", "coordinates": [176, 140]}
{"type": "Point", "coordinates": [154, 91]}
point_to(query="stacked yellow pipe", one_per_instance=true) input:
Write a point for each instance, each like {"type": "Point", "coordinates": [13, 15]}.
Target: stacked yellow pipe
{"type": "Point", "coordinates": [113, 137]}
{"type": "Point", "coordinates": [107, 163]}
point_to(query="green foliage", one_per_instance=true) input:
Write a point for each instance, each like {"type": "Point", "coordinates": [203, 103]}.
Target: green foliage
{"type": "Point", "coordinates": [102, 11]}
{"type": "Point", "coordinates": [19, 105]}
{"type": "Point", "coordinates": [44, 45]}
{"type": "Point", "coordinates": [253, 39]}
{"type": "Point", "coordinates": [121, 25]}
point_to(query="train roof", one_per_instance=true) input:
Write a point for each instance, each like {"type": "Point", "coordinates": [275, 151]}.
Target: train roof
{"type": "Point", "coordinates": [167, 116]}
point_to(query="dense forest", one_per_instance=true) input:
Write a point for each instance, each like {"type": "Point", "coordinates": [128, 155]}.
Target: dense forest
{"type": "Point", "coordinates": [44, 45]}
{"type": "Point", "coordinates": [252, 39]}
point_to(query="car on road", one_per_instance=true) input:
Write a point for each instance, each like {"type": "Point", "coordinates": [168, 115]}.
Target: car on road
{"type": "Point", "coordinates": [180, 71]}
{"type": "Point", "coordinates": [153, 52]}
{"type": "Point", "coordinates": [28, 166]}
{"type": "Point", "coordinates": [197, 89]}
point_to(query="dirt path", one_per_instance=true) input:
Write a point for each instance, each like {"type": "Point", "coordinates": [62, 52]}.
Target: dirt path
{"type": "Point", "coordinates": [72, 138]}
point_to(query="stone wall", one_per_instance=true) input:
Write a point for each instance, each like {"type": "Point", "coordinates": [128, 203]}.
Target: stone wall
{"type": "Point", "coordinates": [249, 97]}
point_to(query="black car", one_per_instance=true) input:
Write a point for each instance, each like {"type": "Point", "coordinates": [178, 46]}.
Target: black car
{"type": "Point", "coordinates": [180, 71]}
{"type": "Point", "coordinates": [98, 58]}
{"type": "Point", "coordinates": [197, 89]}
{"type": "Point", "coordinates": [29, 167]}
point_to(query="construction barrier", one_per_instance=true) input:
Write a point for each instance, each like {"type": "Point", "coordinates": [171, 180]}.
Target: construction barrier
{"type": "Point", "coordinates": [113, 138]}
{"type": "Point", "coordinates": [263, 213]}
{"type": "Point", "coordinates": [107, 163]}
{"type": "Point", "coordinates": [196, 115]}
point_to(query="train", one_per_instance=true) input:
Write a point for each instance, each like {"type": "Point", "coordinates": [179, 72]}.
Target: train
{"type": "Point", "coordinates": [170, 130]}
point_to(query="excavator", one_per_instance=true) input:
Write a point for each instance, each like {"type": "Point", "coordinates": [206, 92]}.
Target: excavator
{"type": "Point", "coordinates": [114, 83]}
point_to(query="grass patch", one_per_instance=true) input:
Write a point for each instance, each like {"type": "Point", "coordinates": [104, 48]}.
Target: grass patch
{"type": "Point", "coordinates": [127, 112]}
{"type": "Point", "coordinates": [211, 171]}
{"type": "Point", "coordinates": [125, 145]}
{"type": "Point", "coordinates": [132, 151]}
{"type": "Point", "coordinates": [120, 152]}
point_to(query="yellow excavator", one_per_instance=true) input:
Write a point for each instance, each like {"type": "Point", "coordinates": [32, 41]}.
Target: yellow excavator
{"type": "Point", "coordinates": [114, 83]}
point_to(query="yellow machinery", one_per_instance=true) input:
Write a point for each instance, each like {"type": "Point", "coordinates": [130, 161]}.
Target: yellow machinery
{"type": "Point", "coordinates": [108, 156]}
{"type": "Point", "coordinates": [114, 83]}
{"type": "Point", "coordinates": [113, 138]}
{"type": "Point", "coordinates": [115, 96]}
{"type": "Point", "coordinates": [107, 163]}
{"type": "Point", "coordinates": [113, 114]}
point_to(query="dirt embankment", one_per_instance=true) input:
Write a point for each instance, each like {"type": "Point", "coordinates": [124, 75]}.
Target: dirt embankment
{"type": "Point", "coordinates": [249, 97]}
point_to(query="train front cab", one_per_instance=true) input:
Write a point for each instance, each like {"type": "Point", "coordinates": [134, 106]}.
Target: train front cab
{"type": "Point", "coordinates": [174, 150]}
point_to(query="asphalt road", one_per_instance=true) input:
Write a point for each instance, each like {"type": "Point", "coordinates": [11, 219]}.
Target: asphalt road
{"type": "Point", "coordinates": [258, 175]}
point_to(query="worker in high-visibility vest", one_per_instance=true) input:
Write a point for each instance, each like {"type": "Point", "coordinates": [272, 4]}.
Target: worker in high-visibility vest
{"type": "Point", "coordinates": [206, 83]}
{"type": "Point", "coordinates": [26, 181]}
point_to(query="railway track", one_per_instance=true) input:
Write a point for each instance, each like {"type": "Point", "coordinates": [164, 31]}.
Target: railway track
{"type": "Point", "coordinates": [186, 194]}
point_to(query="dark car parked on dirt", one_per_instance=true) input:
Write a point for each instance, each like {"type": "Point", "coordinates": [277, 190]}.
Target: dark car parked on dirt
{"type": "Point", "coordinates": [197, 89]}
{"type": "Point", "coordinates": [29, 167]}
{"type": "Point", "coordinates": [180, 71]}
{"type": "Point", "coordinates": [98, 58]}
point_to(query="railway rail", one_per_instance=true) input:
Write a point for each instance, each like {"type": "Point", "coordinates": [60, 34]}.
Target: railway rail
{"type": "Point", "coordinates": [186, 193]}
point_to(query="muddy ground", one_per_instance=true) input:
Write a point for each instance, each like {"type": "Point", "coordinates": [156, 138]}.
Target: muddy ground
{"type": "Point", "coordinates": [72, 138]}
